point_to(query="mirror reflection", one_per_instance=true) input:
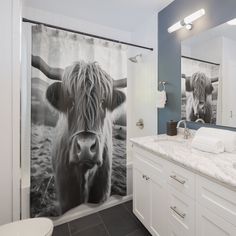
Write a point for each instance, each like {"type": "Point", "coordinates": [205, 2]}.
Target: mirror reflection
{"type": "Point", "coordinates": [208, 76]}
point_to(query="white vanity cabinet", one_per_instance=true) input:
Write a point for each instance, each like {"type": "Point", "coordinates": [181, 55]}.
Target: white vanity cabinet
{"type": "Point", "coordinates": [208, 223]}
{"type": "Point", "coordinates": [142, 195]}
{"type": "Point", "coordinates": [149, 193]}
{"type": "Point", "coordinates": [173, 201]}
{"type": "Point", "coordinates": [216, 209]}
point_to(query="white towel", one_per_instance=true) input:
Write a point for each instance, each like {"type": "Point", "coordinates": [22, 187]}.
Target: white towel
{"type": "Point", "coordinates": [208, 144]}
{"type": "Point", "coordinates": [161, 99]}
{"type": "Point", "coordinates": [227, 137]}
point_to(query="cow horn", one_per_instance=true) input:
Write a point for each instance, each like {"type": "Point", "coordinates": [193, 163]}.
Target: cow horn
{"type": "Point", "coordinates": [50, 72]}
{"type": "Point", "coordinates": [121, 83]}
{"type": "Point", "coordinates": [56, 73]}
{"type": "Point", "coordinates": [188, 83]}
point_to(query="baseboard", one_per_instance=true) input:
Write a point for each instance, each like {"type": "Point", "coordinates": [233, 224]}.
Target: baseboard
{"type": "Point", "coordinates": [88, 209]}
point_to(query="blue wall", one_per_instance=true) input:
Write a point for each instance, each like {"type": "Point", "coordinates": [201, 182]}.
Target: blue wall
{"type": "Point", "coordinates": [169, 46]}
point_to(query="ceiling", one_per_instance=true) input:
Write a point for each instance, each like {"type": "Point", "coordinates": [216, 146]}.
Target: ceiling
{"type": "Point", "coordinates": [120, 14]}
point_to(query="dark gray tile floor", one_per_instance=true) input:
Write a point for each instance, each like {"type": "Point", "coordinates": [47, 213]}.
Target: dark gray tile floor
{"type": "Point", "coordinates": [115, 221]}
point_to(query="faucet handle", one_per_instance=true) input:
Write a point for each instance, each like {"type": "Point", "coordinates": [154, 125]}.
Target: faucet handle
{"type": "Point", "coordinates": [140, 123]}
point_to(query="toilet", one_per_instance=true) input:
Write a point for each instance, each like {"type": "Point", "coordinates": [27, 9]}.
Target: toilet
{"type": "Point", "coordinates": [28, 227]}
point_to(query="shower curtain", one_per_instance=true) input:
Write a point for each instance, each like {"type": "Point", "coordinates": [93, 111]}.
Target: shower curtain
{"type": "Point", "coordinates": [78, 121]}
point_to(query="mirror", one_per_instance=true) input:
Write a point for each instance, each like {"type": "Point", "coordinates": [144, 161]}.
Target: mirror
{"type": "Point", "coordinates": [208, 76]}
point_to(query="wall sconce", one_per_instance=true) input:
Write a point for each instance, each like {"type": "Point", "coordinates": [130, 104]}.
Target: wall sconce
{"type": "Point", "coordinates": [187, 22]}
{"type": "Point", "coordinates": [232, 22]}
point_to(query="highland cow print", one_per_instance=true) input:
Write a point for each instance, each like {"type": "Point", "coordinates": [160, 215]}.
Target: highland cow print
{"type": "Point", "coordinates": [78, 124]}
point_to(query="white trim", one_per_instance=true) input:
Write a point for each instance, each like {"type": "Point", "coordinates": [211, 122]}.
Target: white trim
{"type": "Point", "coordinates": [25, 120]}
{"type": "Point", "coordinates": [16, 68]}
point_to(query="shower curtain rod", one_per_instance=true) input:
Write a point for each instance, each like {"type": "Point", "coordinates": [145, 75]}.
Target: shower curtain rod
{"type": "Point", "coordinates": [86, 34]}
{"type": "Point", "coordinates": [195, 59]}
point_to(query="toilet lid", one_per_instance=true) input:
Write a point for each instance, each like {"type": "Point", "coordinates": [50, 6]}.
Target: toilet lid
{"type": "Point", "coordinates": [29, 227]}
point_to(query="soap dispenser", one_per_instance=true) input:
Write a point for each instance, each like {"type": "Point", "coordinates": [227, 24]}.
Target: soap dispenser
{"type": "Point", "coordinates": [171, 129]}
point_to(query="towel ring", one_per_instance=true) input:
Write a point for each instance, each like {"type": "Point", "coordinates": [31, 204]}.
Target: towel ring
{"type": "Point", "coordinates": [163, 83]}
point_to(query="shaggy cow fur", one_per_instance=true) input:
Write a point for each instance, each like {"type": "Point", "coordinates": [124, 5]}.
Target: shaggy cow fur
{"type": "Point", "coordinates": [85, 99]}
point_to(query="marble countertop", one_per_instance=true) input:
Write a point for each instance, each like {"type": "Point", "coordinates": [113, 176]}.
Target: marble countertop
{"type": "Point", "coordinates": [220, 167]}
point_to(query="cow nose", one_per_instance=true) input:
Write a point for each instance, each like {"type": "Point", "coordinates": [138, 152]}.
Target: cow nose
{"type": "Point", "coordinates": [86, 150]}
{"type": "Point", "coordinates": [87, 145]}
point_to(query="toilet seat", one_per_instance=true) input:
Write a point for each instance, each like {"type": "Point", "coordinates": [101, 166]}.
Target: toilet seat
{"type": "Point", "coordinates": [28, 227]}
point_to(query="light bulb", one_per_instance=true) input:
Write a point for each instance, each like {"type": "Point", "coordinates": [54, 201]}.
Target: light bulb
{"type": "Point", "coordinates": [187, 22]}
{"type": "Point", "coordinates": [189, 19]}
{"type": "Point", "coordinates": [232, 22]}
{"type": "Point", "coordinates": [175, 27]}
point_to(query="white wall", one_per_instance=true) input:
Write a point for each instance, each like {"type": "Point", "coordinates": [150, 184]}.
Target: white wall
{"type": "Point", "coordinates": [213, 48]}
{"type": "Point", "coordinates": [9, 135]}
{"type": "Point", "coordinates": [228, 82]}
{"type": "Point", "coordinates": [6, 112]}
{"type": "Point", "coordinates": [144, 79]}
{"type": "Point", "coordinates": [75, 24]}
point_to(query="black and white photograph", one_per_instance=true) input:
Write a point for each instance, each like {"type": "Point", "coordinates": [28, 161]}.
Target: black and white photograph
{"type": "Point", "coordinates": [78, 121]}
{"type": "Point", "coordinates": [199, 90]}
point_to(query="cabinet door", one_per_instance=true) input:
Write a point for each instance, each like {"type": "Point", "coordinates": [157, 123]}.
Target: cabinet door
{"type": "Point", "coordinates": [158, 204]}
{"type": "Point", "coordinates": [141, 196]}
{"type": "Point", "coordinates": [175, 230]}
{"type": "Point", "coordinates": [207, 223]}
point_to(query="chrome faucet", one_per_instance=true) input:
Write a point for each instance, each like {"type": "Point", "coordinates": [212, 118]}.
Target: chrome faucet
{"type": "Point", "coordinates": [186, 130]}
{"type": "Point", "coordinates": [200, 120]}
